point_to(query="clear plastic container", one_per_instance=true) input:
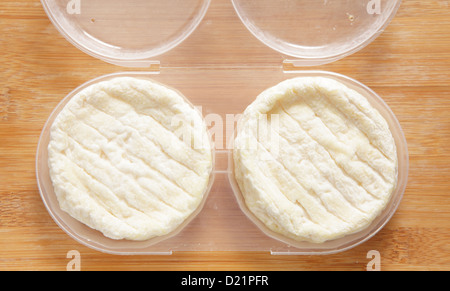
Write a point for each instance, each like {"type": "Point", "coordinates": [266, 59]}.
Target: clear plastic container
{"type": "Point", "coordinates": [355, 239]}
{"type": "Point", "coordinates": [74, 228]}
{"type": "Point", "coordinates": [126, 33]}
{"type": "Point", "coordinates": [223, 224]}
{"type": "Point", "coordinates": [313, 32]}
{"type": "Point", "coordinates": [103, 30]}
{"type": "Point", "coordinates": [316, 32]}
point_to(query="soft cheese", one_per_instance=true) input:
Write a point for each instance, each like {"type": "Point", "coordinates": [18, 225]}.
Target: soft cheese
{"type": "Point", "coordinates": [321, 166]}
{"type": "Point", "coordinates": [130, 157]}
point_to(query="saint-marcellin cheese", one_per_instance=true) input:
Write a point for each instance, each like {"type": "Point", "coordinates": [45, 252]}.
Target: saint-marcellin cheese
{"type": "Point", "coordinates": [130, 157]}
{"type": "Point", "coordinates": [314, 161]}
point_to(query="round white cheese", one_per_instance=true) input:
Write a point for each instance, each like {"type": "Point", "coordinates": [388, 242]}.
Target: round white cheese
{"type": "Point", "coordinates": [130, 157]}
{"type": "Point", "coordinates": [314, 161]}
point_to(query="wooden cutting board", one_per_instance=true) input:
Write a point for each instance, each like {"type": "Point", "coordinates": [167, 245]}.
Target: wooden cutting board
{"type": "Point", "coordinates": [408, 65]}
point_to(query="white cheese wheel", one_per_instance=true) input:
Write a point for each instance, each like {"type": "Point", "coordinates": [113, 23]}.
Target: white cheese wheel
{"type": "Point", "coordinates": [130, 157]}
{"type": "Point", "coordinates": [314, 161]}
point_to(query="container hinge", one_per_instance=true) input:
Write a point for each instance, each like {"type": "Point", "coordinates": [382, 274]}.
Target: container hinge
{"type": "Point", "coordinates": [151, 66]}
{"type": "Point", "coordinates": [295, 65]}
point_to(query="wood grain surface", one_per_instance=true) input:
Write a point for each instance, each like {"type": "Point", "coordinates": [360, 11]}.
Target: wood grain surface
{"type": "Point", "coordinates": [408, 65]}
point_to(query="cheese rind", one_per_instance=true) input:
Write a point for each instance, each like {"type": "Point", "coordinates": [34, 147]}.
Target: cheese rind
{"type": "Point", "coordinates": [130, 157]}
{"type": "Point", "coordinates": [314, 161]}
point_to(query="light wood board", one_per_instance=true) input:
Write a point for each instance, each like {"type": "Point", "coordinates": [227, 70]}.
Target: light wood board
{"type": "Point", "coordinates": [408, 65]}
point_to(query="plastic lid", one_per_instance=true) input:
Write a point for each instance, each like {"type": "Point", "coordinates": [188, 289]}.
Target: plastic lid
{"type": "Point", "coordinates": [127, 33]}
{"type": "Point", "coordinates": [316, 31]}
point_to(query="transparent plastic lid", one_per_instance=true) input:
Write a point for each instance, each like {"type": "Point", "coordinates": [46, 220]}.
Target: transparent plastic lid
{"type": "Point", "coordinates": [127, 33]}
{"type": "Point", "coordinates": [316, 31]}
